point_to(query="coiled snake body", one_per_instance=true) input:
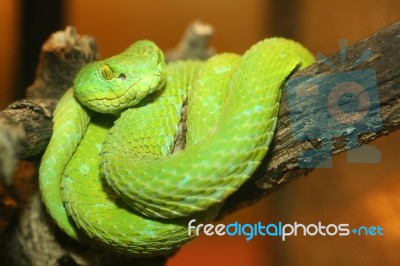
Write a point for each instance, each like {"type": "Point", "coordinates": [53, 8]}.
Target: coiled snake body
{"type": "Point", "coordinates": [109, 176]}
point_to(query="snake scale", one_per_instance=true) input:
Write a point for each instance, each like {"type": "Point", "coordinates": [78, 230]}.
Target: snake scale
{"type": "Point", "coordinates": [109, 175]}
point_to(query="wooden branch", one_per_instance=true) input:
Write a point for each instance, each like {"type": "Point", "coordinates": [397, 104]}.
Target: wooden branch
{"type": "Point", "coordinates": [26, 128]}
{"type": "Point", "coordinates": [26, 124]}
{"type": "Point", "coordinates": [194, 44]}
{"type": "Point", "coordinates": [282, 163]}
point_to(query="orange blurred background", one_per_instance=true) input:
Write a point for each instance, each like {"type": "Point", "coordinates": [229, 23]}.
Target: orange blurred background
{"type": "Point", "coordinates": [358, 194]}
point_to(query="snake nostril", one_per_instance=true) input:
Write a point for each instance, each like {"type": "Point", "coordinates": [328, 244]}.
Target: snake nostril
{"type": "Point", "coordinates": [122, 76]}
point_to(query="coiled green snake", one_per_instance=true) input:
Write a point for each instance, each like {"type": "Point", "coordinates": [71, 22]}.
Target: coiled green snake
{"type": "Point", "coordinates": [109, 175]}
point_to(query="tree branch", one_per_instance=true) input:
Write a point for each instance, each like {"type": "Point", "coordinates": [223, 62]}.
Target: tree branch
{"type": "Point", "coordinates": [282, 163]}
{"type": "Point", "coordinates": [26, 129]}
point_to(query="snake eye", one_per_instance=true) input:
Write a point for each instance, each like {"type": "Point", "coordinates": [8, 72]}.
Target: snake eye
{"type": "Point", "coordinates": [106, 72]}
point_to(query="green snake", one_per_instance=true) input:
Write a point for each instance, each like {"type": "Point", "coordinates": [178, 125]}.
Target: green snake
{"type": "Point", "coordinates": [109, 174]}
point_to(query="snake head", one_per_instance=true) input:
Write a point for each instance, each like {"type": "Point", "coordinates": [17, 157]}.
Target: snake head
{"type": "Point", "coordinates": [121, 81]}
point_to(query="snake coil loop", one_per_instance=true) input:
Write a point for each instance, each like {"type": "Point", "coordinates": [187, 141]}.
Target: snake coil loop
{"type": "Point", "coordinates": [115, 176]}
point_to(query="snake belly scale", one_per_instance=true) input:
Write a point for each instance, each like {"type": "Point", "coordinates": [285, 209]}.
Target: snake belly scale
{"type": "Point", "coordinates": [109, 175]}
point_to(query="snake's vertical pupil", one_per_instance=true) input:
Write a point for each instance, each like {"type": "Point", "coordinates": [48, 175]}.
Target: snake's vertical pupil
{"type": "Point", "coordinates": [106, 72]}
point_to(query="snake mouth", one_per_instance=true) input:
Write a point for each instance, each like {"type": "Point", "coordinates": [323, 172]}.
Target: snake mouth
{"type": "Point", "coordinates": [115, 101]}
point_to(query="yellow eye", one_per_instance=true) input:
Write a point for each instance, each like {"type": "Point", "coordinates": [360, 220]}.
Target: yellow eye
{"type": "Point", "coordinates": [106, 72]}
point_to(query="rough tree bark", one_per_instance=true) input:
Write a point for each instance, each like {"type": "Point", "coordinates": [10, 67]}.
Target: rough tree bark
{"type": "Point", "coordinates": [26, 129]}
